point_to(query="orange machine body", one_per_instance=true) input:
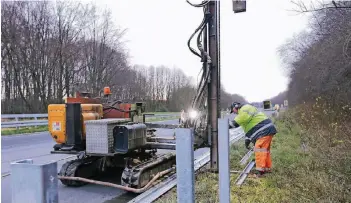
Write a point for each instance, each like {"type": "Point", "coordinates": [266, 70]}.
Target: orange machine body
{"type": "Point", "coordinates": [108, 113]}
{"type": "Point", "coordinates": [82, 100]}
{"type": "Point", "coordinates": [113, 113]}
{"type": "Point", "coordinates": [92, 109]}
{"type": "Point", "coordinates": [57, 119]}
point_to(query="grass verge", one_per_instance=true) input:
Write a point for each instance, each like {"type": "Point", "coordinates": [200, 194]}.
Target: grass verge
{"type": "Point", "coordinates": [301, 171]}
{"type": "Point", "coordinates": [23, 130]}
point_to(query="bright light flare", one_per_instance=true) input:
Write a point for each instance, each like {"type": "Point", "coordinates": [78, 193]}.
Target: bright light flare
{"type": "Point", "coordinates": [193, 114]}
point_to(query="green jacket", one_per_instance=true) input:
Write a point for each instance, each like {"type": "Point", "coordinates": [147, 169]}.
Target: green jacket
{"type": "Point", "coordinates": [254, 123]}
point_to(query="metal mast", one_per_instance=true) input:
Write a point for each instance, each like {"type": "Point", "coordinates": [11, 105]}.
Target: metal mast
{"type": "Point", "coordinates": [210, 56]}
{"type": "Point", "coordinates": [213, 7]}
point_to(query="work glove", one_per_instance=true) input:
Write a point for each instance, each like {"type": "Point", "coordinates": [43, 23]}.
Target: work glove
{"type": "Point", "coordinates": [233, 124]}
{"type": "Point", "coordinates": [247, 144]}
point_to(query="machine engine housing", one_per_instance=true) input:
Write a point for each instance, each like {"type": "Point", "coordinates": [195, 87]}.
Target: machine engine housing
{"type": "Point", "coordinates": [99, 135]}
{"type": "Point", "coordinates": [129, 137]}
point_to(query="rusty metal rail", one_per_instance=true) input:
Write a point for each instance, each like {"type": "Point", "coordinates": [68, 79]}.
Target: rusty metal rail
{"type": "Point", "coordinates": [240, 180]}
{"type": "Point", "coordinates": [246, 157]}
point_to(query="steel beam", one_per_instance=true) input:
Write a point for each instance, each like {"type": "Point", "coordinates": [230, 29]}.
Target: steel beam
{"type": "Point", "coordinates": [223, 153]}
{"type": "Point", "coordinates": [185, 165]}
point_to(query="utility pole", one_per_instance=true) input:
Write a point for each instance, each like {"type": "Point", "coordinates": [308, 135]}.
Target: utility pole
{"type": "Point", "coordinates": [213, 7]}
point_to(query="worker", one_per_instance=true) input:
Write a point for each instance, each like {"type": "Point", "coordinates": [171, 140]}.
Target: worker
{"type": "Point", "coordinates": [182, 117]}
{"type": "Point", "coordinates": [276, 110]}
{"type": "Point", "coordinates": [259, 130]}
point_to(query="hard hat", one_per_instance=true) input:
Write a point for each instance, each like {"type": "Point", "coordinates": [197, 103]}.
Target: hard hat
{"type": "Point", "coordinates": [234, 105]}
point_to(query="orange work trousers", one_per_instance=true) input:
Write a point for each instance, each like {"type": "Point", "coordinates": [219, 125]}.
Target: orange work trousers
{"type": "Point", "coordinates": [262, 153]}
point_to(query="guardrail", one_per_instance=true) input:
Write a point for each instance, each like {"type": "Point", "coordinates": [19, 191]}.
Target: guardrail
{"type": "Point", "coordinates": [32, 120]}
{"type": "Point", "coordinates": [36, 119]}
{"type": "Point", "coordinates": [163, 115]}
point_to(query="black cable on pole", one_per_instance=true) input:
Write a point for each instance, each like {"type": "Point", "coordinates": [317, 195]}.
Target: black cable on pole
{"type": "Point", "coordinates": [204, 56]}
{"type": "Point", "coordinates": [202, 52]}
{"type": "Point", "coordinates": [204, 3]}
{"type": "Point", "coordinates": [191, 37]}
{"type": "Point", "coordinates": [204, 78]}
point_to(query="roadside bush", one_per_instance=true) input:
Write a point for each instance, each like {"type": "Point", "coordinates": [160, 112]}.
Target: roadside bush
{"type": "Point", "coordinates": [311, 162]}
{"type": "Point", "coordinates": [324, 133]}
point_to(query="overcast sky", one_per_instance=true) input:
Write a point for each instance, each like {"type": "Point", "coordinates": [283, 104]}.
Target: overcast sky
{"type": "Point", "coordinates": [158, 31]}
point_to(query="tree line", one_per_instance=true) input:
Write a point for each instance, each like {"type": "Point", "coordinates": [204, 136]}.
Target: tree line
{"type": "Point", "coordinates": [50, 50]}
{"type": "Point", "coordinates": [319, 63]}
{"type": "Point", "coordinates": [319, 59]}
{"type": "Point", "coordinates": [279, 99]}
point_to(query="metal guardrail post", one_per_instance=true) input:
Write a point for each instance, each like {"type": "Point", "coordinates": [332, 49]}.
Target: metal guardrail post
{"type": "Point", "coordinates": [147, 114]}
{"type": "Point", "coordinates": [223, 155]}
{"type": "Point", "coordinates": [34, 182]}
{"type": "Point", "coordinates": [185, 165]}
{"type": "Point", "coordinates": [36, 118]}
{"type": "Point", "coordinates": [16, 121]}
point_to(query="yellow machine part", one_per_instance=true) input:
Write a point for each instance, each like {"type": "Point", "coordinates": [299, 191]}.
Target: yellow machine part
{"type": "Point", "coordinates": [57, 119]}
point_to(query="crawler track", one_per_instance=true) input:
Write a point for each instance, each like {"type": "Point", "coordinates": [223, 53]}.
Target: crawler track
{"type": "Point", "coordinates": [85, 168]}
{"type": "Point", "coordinates": [138, 176]}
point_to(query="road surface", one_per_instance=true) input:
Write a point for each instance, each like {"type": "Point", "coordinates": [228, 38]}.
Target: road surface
{"type": "Point", "coordinates": [37, 146]}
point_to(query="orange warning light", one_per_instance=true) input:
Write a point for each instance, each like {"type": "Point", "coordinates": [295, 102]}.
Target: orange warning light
{"type": "Point", "coordinates": [107, 91]}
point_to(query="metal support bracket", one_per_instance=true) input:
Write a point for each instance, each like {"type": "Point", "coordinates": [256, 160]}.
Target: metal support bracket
{"type": "Point", "coordinates": [34, 182]}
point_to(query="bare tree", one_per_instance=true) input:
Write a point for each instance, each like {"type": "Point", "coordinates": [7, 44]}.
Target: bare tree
{"type": "Point", "coordinates": [46, 50]}
{"type": "Point", "coordinates": [319, 61]}
{"type": "Point", "coordinates": [52, 49]}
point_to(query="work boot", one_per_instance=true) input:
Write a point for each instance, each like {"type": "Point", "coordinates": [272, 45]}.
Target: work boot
{"type": "Point", "coordinates": [257, 174]}
{"type": "Point", "coordinates": [268, 171]}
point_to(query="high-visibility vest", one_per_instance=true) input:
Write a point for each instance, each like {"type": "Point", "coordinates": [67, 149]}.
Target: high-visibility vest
{"type": "Point", "coordinates": [254, 123]}
{"type": "Point", "coordinates": [249, 116]}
